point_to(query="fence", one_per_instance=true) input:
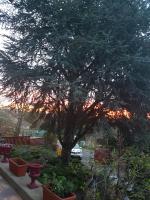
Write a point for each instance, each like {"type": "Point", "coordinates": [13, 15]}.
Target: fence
{"type": "Point", "coordinates": [18, 140]}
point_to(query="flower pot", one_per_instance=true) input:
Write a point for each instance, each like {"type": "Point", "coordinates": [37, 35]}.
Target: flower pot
{"type": "Point", "coordinates": [49, 195]}
{"type": "Point", "coordinates": [18, 166]}
{"type": "Point", "coordinates": [34, 172]}
{"type": "Point", "coordinates": [5, 150]}
{"type": "Point", "coordinates": [102, 155]}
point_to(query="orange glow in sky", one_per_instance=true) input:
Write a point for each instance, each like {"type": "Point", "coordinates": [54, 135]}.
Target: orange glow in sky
{"type": "Point", "coordinates": [118, 114]}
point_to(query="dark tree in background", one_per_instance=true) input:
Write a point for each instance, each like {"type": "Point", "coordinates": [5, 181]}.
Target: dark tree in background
{"type": "Point", "coordinates": [79, 58]}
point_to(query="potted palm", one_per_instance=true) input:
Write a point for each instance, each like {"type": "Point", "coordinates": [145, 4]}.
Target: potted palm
{"type": "Point", "coordinates": [18, 166]}
{"type": "Point", "coordinates": [59, 188]}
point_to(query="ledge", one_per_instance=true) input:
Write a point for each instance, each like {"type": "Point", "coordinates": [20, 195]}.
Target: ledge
{"type": "Point", "coordinates": [20, 184]}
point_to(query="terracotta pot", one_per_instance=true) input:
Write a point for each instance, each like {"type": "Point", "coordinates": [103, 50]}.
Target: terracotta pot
{"type": "Point", "coordinates": [102, 155]}
{"type": "Point", "coordinates": [34, 172]}
{"type": "Point", "coordinates": [49, 195]}
{"type": "Point", "coordinates": [5, 150]}
{"type": "Point", "coordinates": [18, 166]}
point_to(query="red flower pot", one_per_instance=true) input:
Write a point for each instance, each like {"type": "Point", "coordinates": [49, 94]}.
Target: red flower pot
{"type": "Point", "coordinates": [18, 166]}
{"type": "Point", "coordinates": [102, 155]}
{"type": "Point", "coordinates": [34, 172]}
{"type": "Point", "coordinates": [5, 150]}
{"type": "Point", "coordinates": [49, 195]}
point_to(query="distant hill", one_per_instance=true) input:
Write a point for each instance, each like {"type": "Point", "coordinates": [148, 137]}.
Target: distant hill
{"type": "Point", "coordinates": [8, 121]}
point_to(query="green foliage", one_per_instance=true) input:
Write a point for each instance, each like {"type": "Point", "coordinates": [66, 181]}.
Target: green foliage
{"type": "Point", "coordinates": [64, 53]}
{"type": "Point", "coordinates": [32, 154]}
{"type": "Point", "coordinates": [61, 186]}
{"type": "Point", "coordinates": [131, 182]}
{"type": "Point", "coordinates": [102, 183]}
{"type": "Point", "coordinates": [74, 172]}
{"type": "Point", "coordinates": [62, 179]}
{"type": "Point", "coordinates": [138, 175]}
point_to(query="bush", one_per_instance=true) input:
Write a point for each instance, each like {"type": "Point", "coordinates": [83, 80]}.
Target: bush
{"type": "Point", "coordinates": [138, 175]}
{"type": "Point", "coordinates": [61, 186]}
{"type": "Point", "coordinates": [37, 153]}
{"type": "Point", "coordinates": [74, 172]}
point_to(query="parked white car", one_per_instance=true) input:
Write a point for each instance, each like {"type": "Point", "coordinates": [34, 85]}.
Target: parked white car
{"type": "Point", "coordinates": [76, 151]}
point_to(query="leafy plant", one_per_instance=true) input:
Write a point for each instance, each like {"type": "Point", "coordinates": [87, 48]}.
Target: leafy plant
{"type": "Point", "coordinates": [61, 185]}
{"type": "Point", "coordinates": [29, 153]}
{"type": "Point", "coordinates": [75, 171]}
{"type": "Point", "coordinates": [138, 175]}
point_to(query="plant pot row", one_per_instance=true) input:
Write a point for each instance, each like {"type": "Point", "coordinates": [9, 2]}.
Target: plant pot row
{"type": "Point", "coordinates": [19, 167]}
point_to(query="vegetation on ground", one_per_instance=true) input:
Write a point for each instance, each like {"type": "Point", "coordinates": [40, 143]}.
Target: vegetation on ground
{"type": "Point", "coordinates": [123, 176]}
{"type": "Point", "coordinates": [63, 179]}
{"type": "Point", "coordinates": [33, 153]}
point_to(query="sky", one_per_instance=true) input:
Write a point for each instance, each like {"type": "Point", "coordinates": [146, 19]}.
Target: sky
{"type": "Point", "coordinates": [3, 6]}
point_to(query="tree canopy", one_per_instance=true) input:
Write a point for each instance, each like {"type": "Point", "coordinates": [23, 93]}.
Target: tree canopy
{"type": "Point", "coordinates": [78, 58]}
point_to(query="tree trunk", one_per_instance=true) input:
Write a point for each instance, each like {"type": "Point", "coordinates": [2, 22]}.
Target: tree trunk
{"type": "Point", "coordinates": [19, 124]}
{"type": "Point", "coordinates": [66, 154]}
{"type": "Point", "coordinates": [68, 136]}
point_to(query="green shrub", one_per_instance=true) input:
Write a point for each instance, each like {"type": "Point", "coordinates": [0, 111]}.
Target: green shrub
{"type": "Point", "coordinates": [68, 178]}
{"type": "Point", "coordinates": [31, 154]}
{"type": "Point", "coordinates": [74, 172]}
{"type": "Point", "coordinates": [138, 175]}
{"type": "Point", "coordinates": [61, 186]}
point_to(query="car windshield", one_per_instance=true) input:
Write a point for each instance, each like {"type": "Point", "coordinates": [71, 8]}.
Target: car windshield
{"type": "Point", "coordinates": [76, 146]}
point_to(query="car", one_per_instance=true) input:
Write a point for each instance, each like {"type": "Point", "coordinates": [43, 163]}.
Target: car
{"type": "Point", "coordinates": [76, 151]}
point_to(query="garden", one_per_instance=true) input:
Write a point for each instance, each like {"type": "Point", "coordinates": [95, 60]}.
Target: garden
{"type": "Point", "coordinates": [109, 175]}
{"type": "Point", "coordinates": [77, 70]}
{"type": "Point", "coordinates": [64, 179]}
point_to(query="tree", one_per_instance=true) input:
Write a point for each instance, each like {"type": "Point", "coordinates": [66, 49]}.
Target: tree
{"type": "Point", "coordinates": [21, 106]}
{"type": "Point", "coordinates": [81, 58]}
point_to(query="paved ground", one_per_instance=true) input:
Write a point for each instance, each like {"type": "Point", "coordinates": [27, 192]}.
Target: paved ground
{"type": "Point", "coordinates": [7, 192]}
{"type": "Point", "coordinates": [20, 184]}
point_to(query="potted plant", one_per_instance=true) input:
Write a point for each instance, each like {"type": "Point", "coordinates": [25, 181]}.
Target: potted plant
{"type": "Point", "coordinates": [18, 166]}
{"type": "Point", "coordinates": [59, 188]}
